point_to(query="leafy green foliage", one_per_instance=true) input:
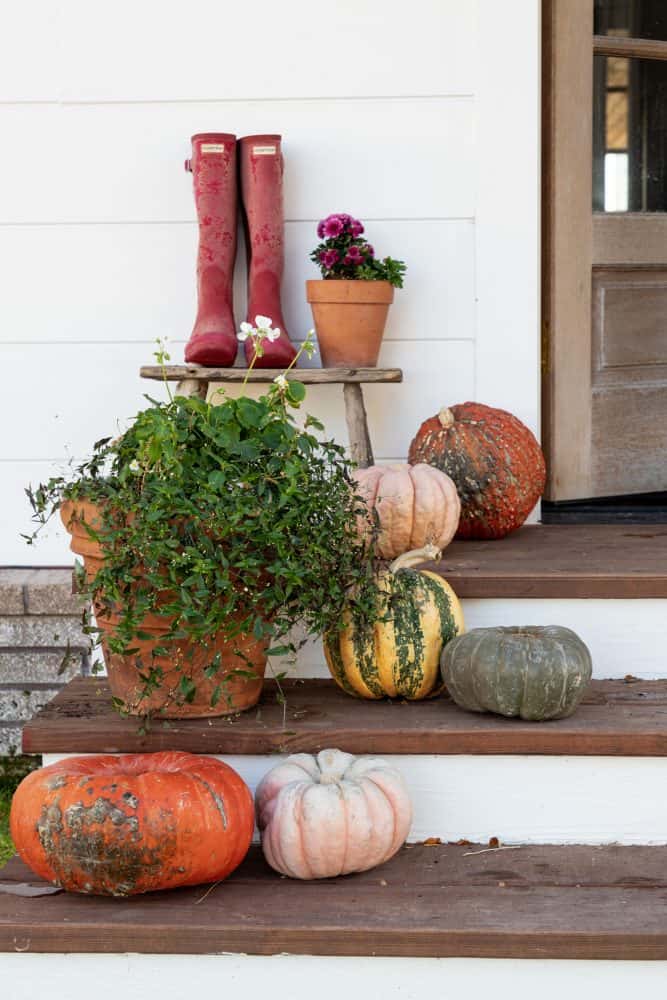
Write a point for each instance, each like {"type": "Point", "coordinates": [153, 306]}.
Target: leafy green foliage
{"type": "Point", "coordinates": [387, 269]}
{"type": "Point", "coordinates": [225, 518]}
{"type": "Point", "coordinates": [6, 845]}
{"type": "Point", "coordinates": [12, 771]}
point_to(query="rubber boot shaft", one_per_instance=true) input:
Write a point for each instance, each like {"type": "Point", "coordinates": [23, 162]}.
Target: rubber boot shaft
{"type": "Point", "coordinates": [261, 171]}
{"type": "Point", "coordinates": [214, 171]}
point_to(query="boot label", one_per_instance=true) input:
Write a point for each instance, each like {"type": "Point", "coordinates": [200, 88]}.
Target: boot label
{"type": "Point", "coordinates": [263, 150]}
{"type": "Point", "coordinates": [212, 147]}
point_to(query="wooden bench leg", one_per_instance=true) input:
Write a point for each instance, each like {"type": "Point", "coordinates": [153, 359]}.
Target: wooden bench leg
{"type": "Point", "coordinates": [192, 387]}
{"type": "Point", "coordinates": [357, 425]}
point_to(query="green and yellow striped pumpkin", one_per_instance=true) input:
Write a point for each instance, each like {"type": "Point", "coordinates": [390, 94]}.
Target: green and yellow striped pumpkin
{"type": "Point", "coordinates": [398, 655]}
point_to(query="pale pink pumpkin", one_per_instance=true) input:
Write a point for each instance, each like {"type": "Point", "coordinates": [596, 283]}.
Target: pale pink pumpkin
{"type": "Point", "coordinates": [332, 814]}
{"type": "Point", "coordinates": [417, 505]}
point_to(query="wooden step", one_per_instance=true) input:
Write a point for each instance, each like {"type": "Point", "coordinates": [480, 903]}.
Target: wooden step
{"type": "Point", "coordinates": [617, 718]}
{"type": "Point", "coordinates": [562, 561]}
{"type": "Point", "coordinates": [441, 900]}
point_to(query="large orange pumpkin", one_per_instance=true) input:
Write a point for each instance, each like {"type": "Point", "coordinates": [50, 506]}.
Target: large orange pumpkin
{"type": "Point", "coordinates": [117, 826]}
{"type": "Point", "coordinates": [494, 460]}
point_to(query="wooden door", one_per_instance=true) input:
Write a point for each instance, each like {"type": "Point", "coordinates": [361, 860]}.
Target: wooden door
{"type": "Point", "coordinates": [605, 247]}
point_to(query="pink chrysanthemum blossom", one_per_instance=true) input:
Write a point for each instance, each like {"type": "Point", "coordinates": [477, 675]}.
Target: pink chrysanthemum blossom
{"type": "Point", "coordinates": [329, 258]}
{"type": "Point", "coordinates": [354, 256]}
{"type": "Point", "coordinates": [333, 227]}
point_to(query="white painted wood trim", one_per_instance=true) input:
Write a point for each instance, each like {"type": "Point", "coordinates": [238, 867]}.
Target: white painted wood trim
{"type": "Point", "coordinates": [520, 799]}
{"type": "Point", "coordinates": [292, 977]}
{"type": "Point", "coordinates": [624, 636]}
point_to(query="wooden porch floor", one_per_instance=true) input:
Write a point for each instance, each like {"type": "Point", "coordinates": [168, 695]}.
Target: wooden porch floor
{"type": "Point", "coordinates": [568, 561]}
{"type": "Point", "coordinates": [617, 718]}
{"type": "Point", "coordinates": [441, 900]}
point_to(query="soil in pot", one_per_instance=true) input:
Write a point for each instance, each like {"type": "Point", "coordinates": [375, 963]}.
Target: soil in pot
{"type": "Point", "coordinates": [237, 683]}
{"type": "Point", "coordinates": [350, 317]}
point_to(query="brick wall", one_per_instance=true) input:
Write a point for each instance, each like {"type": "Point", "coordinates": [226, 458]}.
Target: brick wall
{"type": "Point", "coordinates": [40, 621]}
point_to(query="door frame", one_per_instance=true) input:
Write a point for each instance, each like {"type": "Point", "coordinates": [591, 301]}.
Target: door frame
{"type": "Point", "coordinates": [567, 245]}
{"type": "Point", "coordinates": [575, 240]}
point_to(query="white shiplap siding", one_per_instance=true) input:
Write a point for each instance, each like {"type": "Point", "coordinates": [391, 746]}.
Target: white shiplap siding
{"type": "Point", "coordinates": [421, 119]}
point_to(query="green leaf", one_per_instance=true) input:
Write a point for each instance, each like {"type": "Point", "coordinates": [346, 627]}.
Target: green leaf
{"type": "Point", "coordinates": [296, 391]}
{"type": "Point", "coordinates": [251, 412]}
{"type": "Point", "coordinates": [187, 688]}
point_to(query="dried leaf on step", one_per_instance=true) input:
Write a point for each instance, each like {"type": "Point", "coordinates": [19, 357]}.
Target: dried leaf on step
{"type": "Point", "coordinates": [25, 889]}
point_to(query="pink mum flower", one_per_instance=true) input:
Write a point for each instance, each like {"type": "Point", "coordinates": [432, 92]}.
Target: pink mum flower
{"type": "Point", "coordinates": [354, 256]}
{"type": "Point", "coordinates": [329, 258]}
{"type": "Point", "coordinates": [332, 227]}
{"type": "Point", "coordinates": [356, 228]}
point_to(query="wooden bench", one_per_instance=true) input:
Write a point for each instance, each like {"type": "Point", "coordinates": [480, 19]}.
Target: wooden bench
{"type": "Point", "coordinates": [195, 380]}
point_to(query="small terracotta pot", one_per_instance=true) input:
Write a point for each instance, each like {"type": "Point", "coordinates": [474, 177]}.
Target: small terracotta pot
{"type": "Point", "coordinates": [350, 318]}
{"type": "Point", "coordinates": [183, 658]}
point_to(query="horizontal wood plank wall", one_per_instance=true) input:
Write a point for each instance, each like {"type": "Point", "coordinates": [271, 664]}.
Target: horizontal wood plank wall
{"type": "Point", "coordinates": [97, 225]}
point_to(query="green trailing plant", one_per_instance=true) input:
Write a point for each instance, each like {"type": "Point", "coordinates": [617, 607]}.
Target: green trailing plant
{"type": "Point", "coordinates": [228, 517]}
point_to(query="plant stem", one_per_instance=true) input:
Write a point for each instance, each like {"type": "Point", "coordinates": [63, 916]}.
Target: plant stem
{"type": "Point", "coordinates": [251, 365]}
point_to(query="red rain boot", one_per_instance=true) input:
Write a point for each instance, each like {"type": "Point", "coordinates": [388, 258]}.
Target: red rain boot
{"type": "Point", "coordinates": [262, 194]}
{"type": "Point", "coordinates": [213, 341]}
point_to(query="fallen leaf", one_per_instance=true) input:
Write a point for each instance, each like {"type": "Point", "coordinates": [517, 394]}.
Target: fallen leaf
{"type": "Point", "coordinates": [490, 850]}
{"type": "Point", "coordinates": [25, 889]}
{"type": "Point", "coordinates": [494, 842]}
{"type": "Point", "coordinates": [431, 842]}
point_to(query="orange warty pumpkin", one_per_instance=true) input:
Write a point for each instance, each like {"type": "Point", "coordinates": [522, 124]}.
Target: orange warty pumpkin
{"type": "Point", "coordinates": [494, 460]}
{"type": "Point", "coordinates": [117, 826]}
{"type": "Point", "coordinates": [417, 505]}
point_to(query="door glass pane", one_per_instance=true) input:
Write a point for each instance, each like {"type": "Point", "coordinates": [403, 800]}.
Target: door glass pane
{"type": "Point", "coordinates": [636, 18]}
{"type": "Point", "coordinates": [630, 134]}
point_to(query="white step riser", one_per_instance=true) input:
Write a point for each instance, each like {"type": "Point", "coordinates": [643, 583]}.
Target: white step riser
{"type": "Point", "coordinates": [624, 636]}
{"type": "Point", "coordinates": [298, 977]}
{"type": "Point", "coordinates": [521, 799]}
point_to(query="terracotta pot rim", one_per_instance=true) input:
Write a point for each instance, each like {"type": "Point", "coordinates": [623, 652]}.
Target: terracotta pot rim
{"type": "Point", "coordinates": [354, 291]}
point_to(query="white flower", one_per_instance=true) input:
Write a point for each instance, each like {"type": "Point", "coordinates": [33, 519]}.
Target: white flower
{"type": "Point", "coordinates": [273, 334]}
{"type": "Point", "coordinates": [280, 381]}
{"type": "Point", "coordinates": [246, 331]}
{"type": "Point", "coordinates": [262, 322]}
{"type": "Point", "coordinates": [134, 465]}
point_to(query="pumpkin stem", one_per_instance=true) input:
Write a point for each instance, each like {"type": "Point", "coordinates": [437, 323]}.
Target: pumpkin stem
{"type": "Point", "coordinates": [409, 560]}
{"type": "Point", "coordinates": [446, 417]}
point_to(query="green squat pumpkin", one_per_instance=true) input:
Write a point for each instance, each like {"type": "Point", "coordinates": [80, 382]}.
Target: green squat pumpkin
{"type": "Point", "coordinates": [534, 672]}
{"type": "Point", "coordinates": [397, 655]}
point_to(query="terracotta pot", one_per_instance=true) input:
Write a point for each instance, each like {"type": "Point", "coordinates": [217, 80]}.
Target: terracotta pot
{"type": "Point", "coordinates": [184, 658]}
{"type": "Point", "coordinates": [350, 318]}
